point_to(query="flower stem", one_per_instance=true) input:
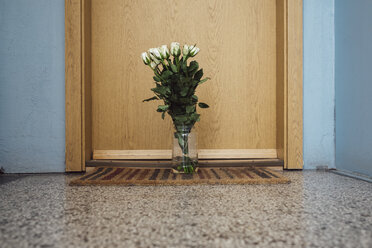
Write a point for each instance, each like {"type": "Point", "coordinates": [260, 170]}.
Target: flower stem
{"type": "Point", "coordinates": [158, 75]}
{"type": "Point", "coordinates": [178, 63]}
{"type": "Point", "coordinates": [187, 165]}
{"type": "Point", "coordinates": [165, 64]}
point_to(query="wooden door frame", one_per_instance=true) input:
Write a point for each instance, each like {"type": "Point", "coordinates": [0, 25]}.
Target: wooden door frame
{"type": "Point", "coordinates": [78, 110]}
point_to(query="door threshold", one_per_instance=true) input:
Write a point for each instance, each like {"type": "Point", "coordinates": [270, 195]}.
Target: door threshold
{"type": "Point", "coordinates": [202, 163]}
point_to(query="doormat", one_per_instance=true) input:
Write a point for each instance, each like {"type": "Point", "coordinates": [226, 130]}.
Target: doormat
{"type": "Point", "coordinates": [152, 176]}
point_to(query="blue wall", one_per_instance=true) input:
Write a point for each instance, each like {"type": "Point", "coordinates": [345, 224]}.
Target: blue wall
{"type": "Point", "coordinates": [32, 85]}
{"type": "Point", "coordinates": [32, 136]}
{"type": "Point", "coordinates": [353, 29]}
{"type": "Point", "coordinates": [319, 88]}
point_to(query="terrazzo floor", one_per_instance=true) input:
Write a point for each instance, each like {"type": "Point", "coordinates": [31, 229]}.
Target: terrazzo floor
{"type": "Point", "coordinates": [318, 209]}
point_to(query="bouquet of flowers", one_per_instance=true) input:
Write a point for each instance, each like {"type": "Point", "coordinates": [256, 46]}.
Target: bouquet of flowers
{"type": "Point", "coordinates": [175, 83]}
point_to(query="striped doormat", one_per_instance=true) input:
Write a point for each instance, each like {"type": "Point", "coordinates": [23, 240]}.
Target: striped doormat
{"type": "Point", "coordinates": [152, 176]}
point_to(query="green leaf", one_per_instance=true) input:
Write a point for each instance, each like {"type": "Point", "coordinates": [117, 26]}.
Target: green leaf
{"type": "Point", "coordinates": [166, 74]}
{"type": "Point", "coordinates": [203, 105]}
{"type": "Point", "coordinates": [174, 68]}
{"type": "Point", "coordinates": [163, 115]}
{"type": "Point", "coordinates": [190, 108]}
{"type": "Point", "coordinates": [156, 78]}
{"type": "Point", "coordinates": [205, 79]}
{"type": "Point", "coordinates": [184, 91]}
{"type": "Point", "coordinates": [162, 90]}
{"type": "Point", "coordinates": [184, 100]}
{"type": "Point", "coordinates": [194, 66]}
{"type": "Point", "coordinates": [184, 66]}
{"type": "Point", "coordinates": [198, 75]}
{"type": "Point", "coordinates": [195, 98]}
{"type": "Point", "coordinates": [162, 108]}
{"type": "Point", "coordinates": [195, 117]}
{"type": "Point", "coordinates": [180, 118]}
{"type": "Point", "coordinates": [150, 99]}
{"type": "Point", "coordinates": [183, 80]}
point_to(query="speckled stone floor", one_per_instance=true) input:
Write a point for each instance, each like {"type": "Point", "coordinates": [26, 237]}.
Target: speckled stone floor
{"type": "Point", "coordinates": [318, 209]}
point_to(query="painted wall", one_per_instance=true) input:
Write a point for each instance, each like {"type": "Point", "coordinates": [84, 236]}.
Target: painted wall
{"type": "Point", "coordinates": [319, 88]}
{"type": "Point", "coordinates": [32, 137]}
{"type": "Point", "coordinates": [32, 85]}
{"type": "Point", "coordinates": [353, 29]}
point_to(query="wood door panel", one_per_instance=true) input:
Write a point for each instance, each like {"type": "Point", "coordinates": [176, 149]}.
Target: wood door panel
{"type": "Point", "coordinates": [237, 39]}
{"type": "Point", "coordinates": [202, 154]}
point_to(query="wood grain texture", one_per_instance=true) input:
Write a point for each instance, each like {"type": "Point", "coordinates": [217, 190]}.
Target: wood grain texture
{"type": "Point", "coordinates": [73, 89]}
{"type": "Point", "coordinates": [236, 153]}
{"type": "Point", "coordinates": [86, 82]}
{"type": "Point", "coordinates": [266, 162]}
{"type": "Point", "coordinates": [238, 51]}
{"type": "Point", "coordinates": [78, 43]}
{"type": "Point", "coordinates": [132, 154]}
{"type": "Point", "coordinates": [295, 86]}
{"type": "Point", "coordinates": [281, 77]}
{"type": "Point", "coordinates": [202, 154]}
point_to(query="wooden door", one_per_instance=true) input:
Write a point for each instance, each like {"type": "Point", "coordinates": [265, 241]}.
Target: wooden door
{"type": "Point", "coordinates": [252, 50]}
{"type": "Point", "coordinates": [237, 39]}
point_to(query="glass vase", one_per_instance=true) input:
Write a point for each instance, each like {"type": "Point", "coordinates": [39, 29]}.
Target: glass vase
{"type": "Point", "coordinates": [184, 152]}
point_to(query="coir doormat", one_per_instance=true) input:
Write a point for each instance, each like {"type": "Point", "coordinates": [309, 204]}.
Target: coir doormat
{"type": "Point", "coordinates": [152, 176]}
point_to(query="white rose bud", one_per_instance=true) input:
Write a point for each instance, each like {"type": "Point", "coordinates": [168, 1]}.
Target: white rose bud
{"type": "Point", "coordinates": [164, 52]}
{"type": "Point", "coordinates": [175, 49]}
{"type": "Point", "coordinates": [153, 65]}
{"type": "Point", "coordinates": [146, 59]}
{"type": "Point", "coordinates": [156, 53]}
{"type": "Point", "coordinates": [152, 57]}
{"type": "Point", "coordinates": [193, 50]}
{"type": "Point", "coordinates": [185, 50]}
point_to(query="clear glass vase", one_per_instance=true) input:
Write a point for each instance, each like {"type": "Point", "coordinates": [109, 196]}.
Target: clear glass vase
{"type": "Point", "coordinates": [184, 152]}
